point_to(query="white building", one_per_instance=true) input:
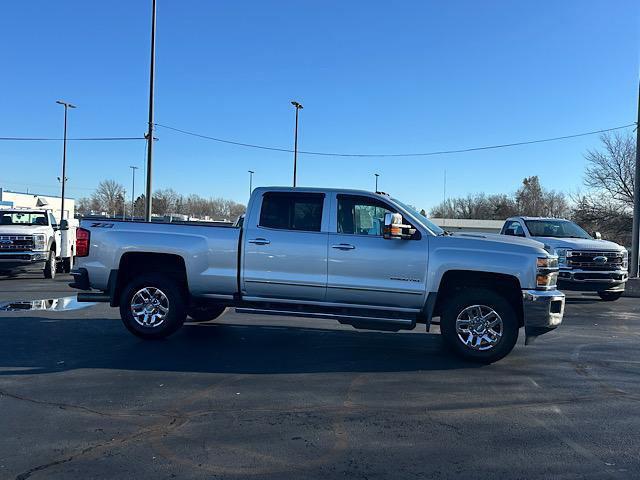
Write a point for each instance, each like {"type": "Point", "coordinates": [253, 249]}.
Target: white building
{"type": "Point", "coordinates": [33, 200]}
{"type": "Point", "coordinates": [469, 225]}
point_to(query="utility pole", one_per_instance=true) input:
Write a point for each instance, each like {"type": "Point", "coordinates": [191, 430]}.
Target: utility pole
{"type": "Point", "coordinates": [133, 190]}
{"type": "Point", "coordinates": [148, 194]}
{"type": "Point", "coordinates": [377, 175]}
{"type": "Point", "coordinates": [635, 243]}
{"type": "Point", "coordinates": [251, 172]}
{"type": "Point", "coordinates": [63, 180]}
{"type": "Point", "coordinates": [298, 107]}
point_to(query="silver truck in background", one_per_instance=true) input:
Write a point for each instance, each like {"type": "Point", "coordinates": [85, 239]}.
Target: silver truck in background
{"type": "Point", "coordinates": [361, 258]}
{"type": "Point", "coordinates": [33, 239]}
{"type": "Point", "coordinates": [587, 263]}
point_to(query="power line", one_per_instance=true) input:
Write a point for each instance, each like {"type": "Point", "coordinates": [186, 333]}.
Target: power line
{"type": "Point", "coordinates": [37, 139]}
{"type": "Point", "coordinates": [382, 155]}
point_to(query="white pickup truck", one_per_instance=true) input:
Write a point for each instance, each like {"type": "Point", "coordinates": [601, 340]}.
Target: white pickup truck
{"type": "Point", "coordinates": [587, 263]}
{"type": "Point", "coordinates": [361, 258]}
{"type": "Point", "coordinates": [32, 239]}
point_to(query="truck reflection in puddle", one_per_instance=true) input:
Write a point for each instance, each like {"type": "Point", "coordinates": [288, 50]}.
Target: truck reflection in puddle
{"type": "Point", "coordinates": [61, 304]}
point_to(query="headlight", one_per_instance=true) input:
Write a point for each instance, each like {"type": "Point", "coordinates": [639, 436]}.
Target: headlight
{"type": "Point", "coordinates": [562, 254]}
{"type": "Point", "coordinates": [547, 262]}
{"type": "Point", "coordinates": [546, 272]}
{"type": "Point", "coordinates": [547, 280]}
{"type": "Point", "coordinates": [39, 242]}
{"type": "Point", "coordinates": [625, 259]}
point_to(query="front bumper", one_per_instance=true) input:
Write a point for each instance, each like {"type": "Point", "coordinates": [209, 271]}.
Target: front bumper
{"type": "Point", "coordinates": [592, 280]}
{"type": "Point", "coordinates": [543, 311]}
{"type": "Point", "coordinates": [22, 260]}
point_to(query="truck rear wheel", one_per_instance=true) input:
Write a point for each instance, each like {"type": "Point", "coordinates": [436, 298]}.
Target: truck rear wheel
{"type": "Point", "coordinates": [51, 265]}
{"type": "Point", "coordinates": [610, 296]}
{"type": "Point", "coordinates": [479, 325]}
{"type": "Point", "coordinates": [205, 313]}
{"type": "Point", "coordinates": [152, 306]}
{"type": "Point", "coordinates": [67, 264]}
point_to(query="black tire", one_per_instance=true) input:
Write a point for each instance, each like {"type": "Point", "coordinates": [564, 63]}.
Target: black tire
{"type": "Point", "coordinates": [175, 306]}
{"type": "Point", "coordinates": [205, 313]}
{"type": "Point", "coordinates": [67, 264]}
{"type": "Point", "coordinates": [463, 299]}
{"type": "Point", "coordinates": [610, 296]}
{"type": "Point", "coordinates": [51, 266]}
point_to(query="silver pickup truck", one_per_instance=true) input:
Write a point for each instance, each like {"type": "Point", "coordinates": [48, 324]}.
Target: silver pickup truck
{"type": "Point", "coordinates": [361, 258]}
{"type": "Point", "coordinates": [587, 263]}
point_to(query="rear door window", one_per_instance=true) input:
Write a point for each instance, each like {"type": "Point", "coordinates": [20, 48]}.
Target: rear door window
{"type": "Point", "coordinates": [292, 211]}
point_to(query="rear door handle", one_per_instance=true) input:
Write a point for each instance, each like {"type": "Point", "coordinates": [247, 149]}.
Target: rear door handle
{"type": "Point", "coordinates": [343, 246]}
{"type": "Point", "coordinates": [260, 241]}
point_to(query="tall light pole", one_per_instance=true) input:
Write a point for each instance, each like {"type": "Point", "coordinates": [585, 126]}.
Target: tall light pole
{"type": "Point", "coordinates": [298, 107]}
{"type": "Point", "coordinates": [377, 175]}
{"type": "Point", "coordinates": [251, 172]}
{"type": "Point", "coordinates": [63, 180]}
{"type": "Point", "coordinates": [148, 194]}
{"type": "Point", "coordinates": [133, 190]}
{"type": "Point", "coordinates": [635, 242]}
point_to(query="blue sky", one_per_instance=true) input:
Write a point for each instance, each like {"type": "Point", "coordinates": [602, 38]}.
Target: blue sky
{"type": "Point", "coordinates": [374, 77]}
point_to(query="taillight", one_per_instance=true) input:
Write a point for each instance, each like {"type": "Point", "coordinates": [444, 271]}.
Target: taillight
{"type": "Point", "coordinates": [82, 242]}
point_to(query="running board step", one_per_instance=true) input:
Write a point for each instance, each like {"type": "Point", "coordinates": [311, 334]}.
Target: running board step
{"type": "Point", "coordinates": [357, 321]}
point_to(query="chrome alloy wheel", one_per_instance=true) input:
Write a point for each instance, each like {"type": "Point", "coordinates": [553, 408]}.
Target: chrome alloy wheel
{"type": "Point", "coordinates": [149, 307]}
{"type": "Point", "coordinates": [479, 327]}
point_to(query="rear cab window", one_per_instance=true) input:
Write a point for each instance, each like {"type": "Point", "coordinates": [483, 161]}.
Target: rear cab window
{"type": "Point", "coordinates": [292, 211]}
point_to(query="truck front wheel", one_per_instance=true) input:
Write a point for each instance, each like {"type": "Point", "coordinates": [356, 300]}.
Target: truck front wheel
{"type": "Point", "coordinates": [152, 306]}
{"type": "Point", "coordinates": [610, 296]}
{"type": "Point", "coordinates": [51, 265]}
{"type": "Point", "coordinates": [479, 325]}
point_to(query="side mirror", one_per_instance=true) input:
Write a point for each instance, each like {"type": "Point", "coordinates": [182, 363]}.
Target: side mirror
{"type": "Point", "coordinates": [395, 229]}
{"type": "Point", "coordinates": [64, 225]}
{"type": "Point", "coordinates": [510, 232]}
{"type": "Point", "coordinates": [597, 235]}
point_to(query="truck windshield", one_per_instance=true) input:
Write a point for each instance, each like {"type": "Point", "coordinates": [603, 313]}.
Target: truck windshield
{"type": "Point", "coordinates": [23, 218]}
{"type": "Point", "coordinates": [428, 224]}
{"type": "Point", "coordinates": [555, 228]}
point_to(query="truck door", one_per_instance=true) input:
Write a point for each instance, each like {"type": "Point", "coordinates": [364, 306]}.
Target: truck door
{"type": "Point", "coordinates": [57, 235]}
{"type": "Point", "coordinates": [366, 269]}
{"type": "Point", "coordinates": [285, 248]}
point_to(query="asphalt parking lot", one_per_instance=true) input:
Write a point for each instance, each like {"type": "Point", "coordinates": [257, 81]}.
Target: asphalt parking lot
{"type": "Point", "coordinates": [277, 397]}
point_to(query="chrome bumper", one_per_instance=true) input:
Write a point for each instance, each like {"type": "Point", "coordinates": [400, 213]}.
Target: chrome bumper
{"type": "Point", "coordinates": [543, 311]}
{"type": "Point", "coordinates": [16, 259]}
{"type": "Point", "coordinates": [602, 276]}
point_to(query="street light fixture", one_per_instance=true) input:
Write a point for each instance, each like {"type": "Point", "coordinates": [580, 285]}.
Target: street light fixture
{"type": "Point", "coordinates": [63, 179]}
{"type": "Point", "coordinates": [298, 107]}
{"type": "Point", "coordinates": [377, 175]}
{"type": "Point", "coordinates": [251, 172]}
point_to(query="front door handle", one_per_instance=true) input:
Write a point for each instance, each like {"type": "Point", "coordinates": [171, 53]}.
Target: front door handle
{"type": "Point", "coordinates": [343, 246]}
{"type": "Point", "coordinates": [260, 241]}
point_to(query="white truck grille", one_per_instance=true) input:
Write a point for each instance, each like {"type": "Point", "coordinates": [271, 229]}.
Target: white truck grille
{"type": "Point", "coordinates": [16, 243]}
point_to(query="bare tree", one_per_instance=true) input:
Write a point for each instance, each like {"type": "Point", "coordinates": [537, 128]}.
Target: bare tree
{"type": "Point", "coordinates": [108, 197]}
{"type": "Point", "coordinates": [607, 207]}
{"type": "Point", "coordinates": [611, 170]}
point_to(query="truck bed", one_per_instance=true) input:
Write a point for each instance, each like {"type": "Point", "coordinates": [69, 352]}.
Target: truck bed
{"type": "Point", "coordinates": [214, 273]}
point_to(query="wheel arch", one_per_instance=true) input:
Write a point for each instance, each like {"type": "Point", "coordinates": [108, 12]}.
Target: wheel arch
{"type": "Point", "coordinates": [133, 264]}
{"type": "Point", "coordinates": [455, 280]}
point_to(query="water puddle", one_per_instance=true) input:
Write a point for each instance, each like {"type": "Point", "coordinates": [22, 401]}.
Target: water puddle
{"type": "Point", "coordinates": [62, 304]}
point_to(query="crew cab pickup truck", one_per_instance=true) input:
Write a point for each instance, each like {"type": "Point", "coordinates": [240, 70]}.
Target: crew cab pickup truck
{"type": "Point", "coordinates": [361, 258]}
{"type": "Point", "coordinates": [587, 263]}
{"type": "Point", "coordinates": [33, 240]}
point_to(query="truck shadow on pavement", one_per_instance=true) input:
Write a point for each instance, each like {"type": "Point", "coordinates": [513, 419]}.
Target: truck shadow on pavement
{"type": "Point", "coordinates": [33, 345]}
